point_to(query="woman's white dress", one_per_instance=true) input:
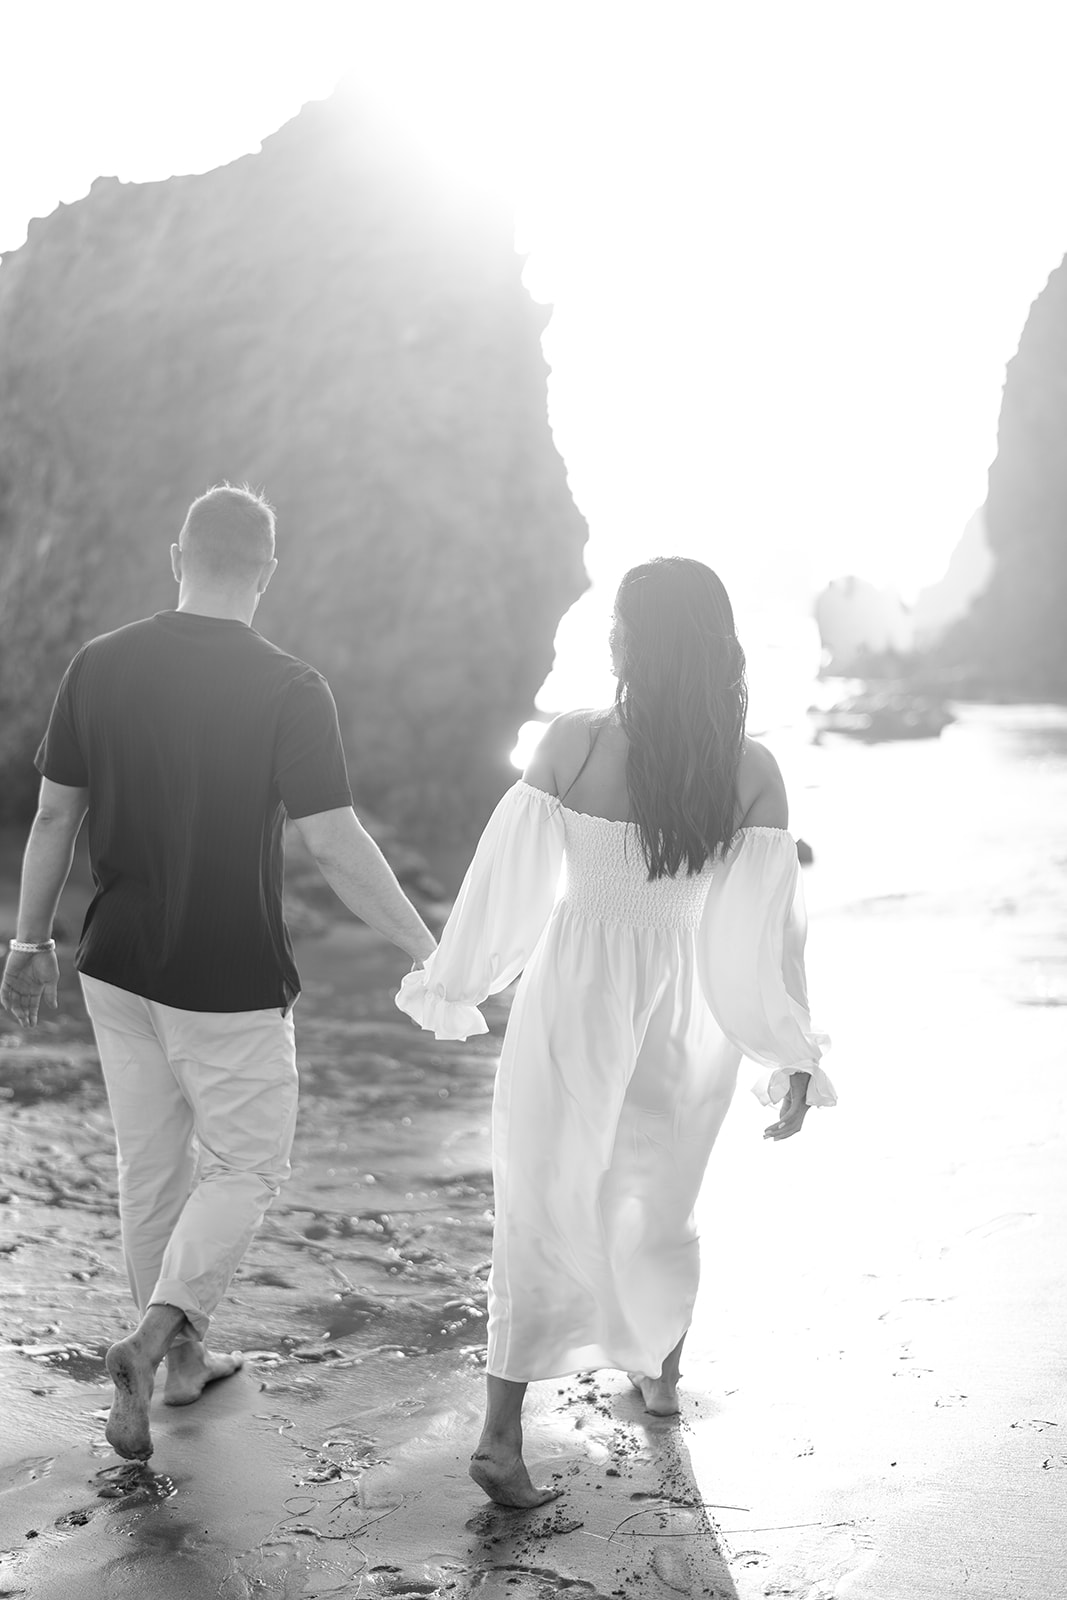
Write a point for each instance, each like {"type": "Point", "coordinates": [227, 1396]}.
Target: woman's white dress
{"type": "Point", "coordinates": [636, 1003]}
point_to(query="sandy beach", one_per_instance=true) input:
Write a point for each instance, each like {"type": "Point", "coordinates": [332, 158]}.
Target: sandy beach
{"type": "Point", "coordinates": [874, 1385]}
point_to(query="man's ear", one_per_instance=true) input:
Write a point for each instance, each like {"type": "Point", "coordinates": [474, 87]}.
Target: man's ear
{"type": "Point", "coordinates": [176, 562]}
{"type": "Point", "coordinates": [266, 575]}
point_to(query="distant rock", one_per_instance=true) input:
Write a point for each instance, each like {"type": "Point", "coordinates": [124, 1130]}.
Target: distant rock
{"type": "Point", "coordinates": [860, 624]}
{"type": "Point", "coordinates": [888, 713]}
{"type": "Point", "coordinates": [332, 320]}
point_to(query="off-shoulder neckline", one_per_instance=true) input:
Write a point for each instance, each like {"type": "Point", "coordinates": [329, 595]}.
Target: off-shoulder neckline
{"type": "Point", "coordinates": [619, 822]}
{"type": "Point", "coordinates": [591, 816]}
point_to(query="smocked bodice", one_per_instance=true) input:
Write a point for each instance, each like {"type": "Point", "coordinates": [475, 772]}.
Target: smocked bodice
{"type": "Point", "coordinates": [606, 877]}
{"type": "Point", "coordinates": [745, 918]}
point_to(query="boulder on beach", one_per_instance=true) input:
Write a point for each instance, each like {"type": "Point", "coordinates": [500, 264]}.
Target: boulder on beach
{"type": "Point", "coordinates": [338, 321]}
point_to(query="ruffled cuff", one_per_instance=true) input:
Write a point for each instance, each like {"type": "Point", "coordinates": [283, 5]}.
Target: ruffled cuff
{"type": "Point", "coordinates": [425, 1003]}
{"type": "Point", "coordinates": [771, 1087]}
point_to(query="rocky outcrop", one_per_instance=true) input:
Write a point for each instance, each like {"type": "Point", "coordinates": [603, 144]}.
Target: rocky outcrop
{"type": "Point", "coordinates": [943, 603]}
{"type": "Point", "coordinates": [332, 320]}
{"type": "Point", "coordinates": [859, 626]}
{"type": "Point", "coordinates": [1014, 640]}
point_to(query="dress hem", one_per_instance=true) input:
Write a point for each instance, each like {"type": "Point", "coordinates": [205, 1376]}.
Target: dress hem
{"type": "Point", "coordinates": [593, 1366]}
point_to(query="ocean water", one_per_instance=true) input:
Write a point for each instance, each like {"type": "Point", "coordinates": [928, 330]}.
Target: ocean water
{"type": "Point", "coordinates": [976, 814]}
{"type": "Point", "coordinates": [844, 1271]}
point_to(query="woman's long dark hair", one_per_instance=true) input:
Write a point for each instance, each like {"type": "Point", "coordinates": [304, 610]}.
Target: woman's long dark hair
{"type": "Point", "coordinates": [681, 700]}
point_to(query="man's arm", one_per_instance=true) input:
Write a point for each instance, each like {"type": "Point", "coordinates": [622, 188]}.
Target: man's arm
{"type": "Point", "coordinates": [45, 868]}
{"type": "Point", "coordinates": [360, 876]}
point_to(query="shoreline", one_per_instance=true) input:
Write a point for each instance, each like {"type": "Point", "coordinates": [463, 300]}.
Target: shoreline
{"type": "Point", "coordinates": [873, 1386]}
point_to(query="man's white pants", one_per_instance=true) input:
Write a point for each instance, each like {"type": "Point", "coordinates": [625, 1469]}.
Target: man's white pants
{"type": "Point", "coordinates": [204, 1107]}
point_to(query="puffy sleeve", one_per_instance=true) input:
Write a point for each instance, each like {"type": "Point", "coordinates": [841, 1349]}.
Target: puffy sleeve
{"type": "Point", "coordinates": [499, 915]}
{"type": "Point", "coordinates": [750, 957]}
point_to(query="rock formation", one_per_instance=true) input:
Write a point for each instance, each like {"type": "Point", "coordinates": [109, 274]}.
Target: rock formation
{"type": "Point", "coordinates": [943, 603]}
{"type": "Point", "coordinates": [860, 626]}
{"type": "Point", "coordinates": [332, 320]}
{"type": "Point", "coordinates": [1014, 640]}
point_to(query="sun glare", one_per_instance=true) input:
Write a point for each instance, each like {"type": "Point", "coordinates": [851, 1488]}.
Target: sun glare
{"type": "Point", "coordinates": [530, 736]}
{"type": "Point", "coordinates": [781, 307]}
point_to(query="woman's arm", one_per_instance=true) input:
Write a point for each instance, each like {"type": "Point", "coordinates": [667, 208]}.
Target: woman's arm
{"type": "Point", "coordinates": [763, 803]}
{"type": "Point", "coordinates": [751, 948]}
{"type": "Point", "coordinates": [500, 912]}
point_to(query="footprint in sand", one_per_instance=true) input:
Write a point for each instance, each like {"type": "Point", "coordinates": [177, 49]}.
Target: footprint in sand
{"type": "Point", "coordinates": [284, 1565]}
{"type": "Point", "coordinates": [17, 1473]}
{"type": "Point", "coordinates": [1009, 1222]}
{"type": "Point", "coordinates": [395, 1583]}
{"type": "Point", "coordinates": [486, 1522]}
{"type": "Point", "coordinates": [898, 1313]}
{"type": "Point", "coordinates": [134, 1478]}
{"type": "Point", "coordinates": [840, 1552]}
{"type": "Point", "coordinates": [542, 1583]}
{"type": "Point", "coordinates": [75, 1519]}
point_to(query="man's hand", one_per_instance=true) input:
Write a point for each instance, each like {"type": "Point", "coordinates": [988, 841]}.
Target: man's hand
{"type": "Point", "coordinates": [49, 852]}
{"type": "Point", "coordinates": [794, 1109]}
{"type": "Point", "coordinates": [28, 978]}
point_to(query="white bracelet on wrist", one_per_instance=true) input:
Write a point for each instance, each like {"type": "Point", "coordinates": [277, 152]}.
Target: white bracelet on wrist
{"type": "Point", "coordinates": [20, 947]}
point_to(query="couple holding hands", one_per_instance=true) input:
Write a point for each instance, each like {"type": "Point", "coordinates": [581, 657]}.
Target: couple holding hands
{"type": "Point", "coordinates": [639, 875]}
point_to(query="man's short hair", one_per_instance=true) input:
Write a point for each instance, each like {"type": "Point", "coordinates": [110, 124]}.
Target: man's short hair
{"type": "Point", "coordinates": [228, 533]}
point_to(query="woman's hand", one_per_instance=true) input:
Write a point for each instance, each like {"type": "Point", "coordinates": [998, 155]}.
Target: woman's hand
{"type": "Point", "coordinates": [794, 1109]}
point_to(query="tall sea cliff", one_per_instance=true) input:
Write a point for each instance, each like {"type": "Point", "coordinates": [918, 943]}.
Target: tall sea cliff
{"type": "Point", "coordinates": [1013, 642]}
{"type": "Point", "coordinates": [335, 320]}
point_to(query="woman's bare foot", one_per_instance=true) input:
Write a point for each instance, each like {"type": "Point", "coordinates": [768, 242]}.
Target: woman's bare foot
{"type": "Point", "coordinates": [659, 1394]}
{"type": "Point", "coordinates": [134, 1376]}
{"type": "Point", "coordinates": [503, 1476]}
{"type": "Point", "coordinates": [190, 1368]}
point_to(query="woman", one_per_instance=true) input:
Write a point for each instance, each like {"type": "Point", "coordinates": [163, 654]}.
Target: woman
{"type": "Point", "coordinates": [675, 945]}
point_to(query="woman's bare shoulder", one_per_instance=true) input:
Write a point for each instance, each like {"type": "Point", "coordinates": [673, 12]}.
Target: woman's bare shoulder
{"type": "Point", "coordinates": [563, 747]}
{"type": "Point", "coordinates": [761, 796]}
{"type": "Point", "coordinates": [757, 760]}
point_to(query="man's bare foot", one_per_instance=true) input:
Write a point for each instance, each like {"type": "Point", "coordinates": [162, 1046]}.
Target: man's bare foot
{"type": "Point", "coordinates": [190, 1368]}
{"type": "Point", "coordinates": [659, 1394]}
{"type": "Point", "coordinates": [506, 1481]}
{"type": "Point", "coordinates": [134, 1376]}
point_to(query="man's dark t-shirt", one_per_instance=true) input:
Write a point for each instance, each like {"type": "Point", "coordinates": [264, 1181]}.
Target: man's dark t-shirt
{"type": "Point", "coordinates": [194, 737]}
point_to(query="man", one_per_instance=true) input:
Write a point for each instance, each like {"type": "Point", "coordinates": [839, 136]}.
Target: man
{"type": "Point", "coordinates": [188, 738]}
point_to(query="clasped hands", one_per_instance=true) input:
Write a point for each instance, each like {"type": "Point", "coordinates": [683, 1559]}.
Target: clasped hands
{"type": "Point", "coordinates": [794, 1109]}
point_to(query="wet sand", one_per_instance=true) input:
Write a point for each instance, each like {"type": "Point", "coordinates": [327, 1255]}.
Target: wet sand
{"type": "Point", "coordinates": [874, 1383]}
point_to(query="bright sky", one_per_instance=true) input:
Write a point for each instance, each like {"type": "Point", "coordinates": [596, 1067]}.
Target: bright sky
{"type": "Point", "coordinates": [790, 246]}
